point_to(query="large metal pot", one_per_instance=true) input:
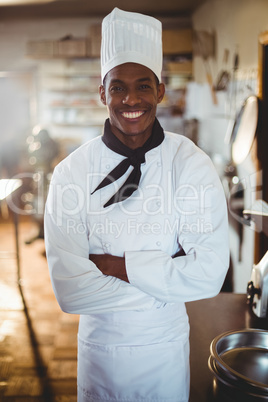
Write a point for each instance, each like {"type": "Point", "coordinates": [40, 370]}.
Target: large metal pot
{"type": "Point", "coordinates": [239, 362]}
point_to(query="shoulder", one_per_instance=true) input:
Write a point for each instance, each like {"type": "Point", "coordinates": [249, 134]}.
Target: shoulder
{"type": "Point", "coordinates": [187, 158]}
{"type": "Point", "coordinates": [82, 156]}
{"type": "Point", "coordinates": [182, 147]}
{"type": "Point", "coordinates": [75, 168]}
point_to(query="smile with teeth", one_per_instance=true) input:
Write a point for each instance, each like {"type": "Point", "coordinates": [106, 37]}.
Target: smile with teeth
{"type": "Point", "coordinates": [132, 115]}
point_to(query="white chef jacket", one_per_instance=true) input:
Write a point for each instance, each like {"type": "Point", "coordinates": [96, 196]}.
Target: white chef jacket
{"type": "Point", "coordinates": [179, 203]}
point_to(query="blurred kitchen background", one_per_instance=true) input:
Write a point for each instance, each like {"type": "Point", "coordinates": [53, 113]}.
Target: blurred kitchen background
{"type": "Point", "coordinates": [215, 69]}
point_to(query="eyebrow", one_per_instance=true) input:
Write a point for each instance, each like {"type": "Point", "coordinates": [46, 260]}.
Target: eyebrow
{"type": "Point", "coordinates": [144, 79]}
{"type": "Point", "coordinates": [118, 81]}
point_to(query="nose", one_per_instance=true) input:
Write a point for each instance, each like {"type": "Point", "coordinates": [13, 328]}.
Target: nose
{"type": "Point", "coordinates": [131, 98]}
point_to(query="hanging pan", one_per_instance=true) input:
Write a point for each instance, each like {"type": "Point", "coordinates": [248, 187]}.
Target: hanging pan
{"type": "Point", "coordinates": [244, 129]}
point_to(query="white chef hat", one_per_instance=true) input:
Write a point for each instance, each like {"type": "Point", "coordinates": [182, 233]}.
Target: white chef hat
{"type": "Point", "coordinates": [131, 38]}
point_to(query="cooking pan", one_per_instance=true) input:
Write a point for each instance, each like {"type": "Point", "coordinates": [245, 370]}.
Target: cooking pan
{"type": "Point", "coordinates": [244, 129]}
{"type": "Point", "coordinates": [227, 390]}
{"type": "Point", "coordinates": [239, 359]}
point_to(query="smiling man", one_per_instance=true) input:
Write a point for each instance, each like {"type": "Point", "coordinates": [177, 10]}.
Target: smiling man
{"type": "Point", "coordinates": [131, 93]}
{"type": "Point", "coordinates": [135, 226]}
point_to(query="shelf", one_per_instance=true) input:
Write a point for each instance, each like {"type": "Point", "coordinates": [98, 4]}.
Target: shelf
{"type": "Point", "coordinates": [72, 91]}
{"type": "Point", "coordinates": [84, 107]}
{"type": "Point", "coordinates": [86, 124]}
{"type": "Point", "coordinates": [181, 74]}
{"type": "Point", "coordinates": [69, 97]}
{"type": "Point", "coordinates": [93, 74]}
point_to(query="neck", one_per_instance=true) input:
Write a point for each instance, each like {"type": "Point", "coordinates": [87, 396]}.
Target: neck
{"type": "Point", "coordinates": [132, 141]}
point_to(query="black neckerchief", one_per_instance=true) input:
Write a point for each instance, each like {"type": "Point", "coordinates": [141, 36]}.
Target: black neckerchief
{"type": "Point", "coordinates": [134, 157]}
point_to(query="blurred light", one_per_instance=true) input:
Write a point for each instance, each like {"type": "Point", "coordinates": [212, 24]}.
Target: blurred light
{"type": "Point", "coordinates": [9, 300]}
{"type": "Point", "coordinates": [32, 160]}
{"type": "Point", "coordinates": [28, 207]}
{"type": "Point", "coordinates": [37, 128]}
{"type": "Point", "coordinates": [37, 177]}
{"type": "Point", "coordinates": [7, 186]}
{"type": "Point", "coordinates": [34, 146]}
{"type": "Point", "coordinates": [30, 139]}
{"type": "Point", "coordinates": [27, 197]}
{"type": "Point", "coordinates": [235, 179]}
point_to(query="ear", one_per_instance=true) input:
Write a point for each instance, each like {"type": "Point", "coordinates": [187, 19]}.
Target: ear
{"type": "Point", "coordinates": [102, 94]}
{"type": "Point", "coordinates": [160, 92]}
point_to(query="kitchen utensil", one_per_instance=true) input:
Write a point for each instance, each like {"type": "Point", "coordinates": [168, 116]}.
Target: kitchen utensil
{"type": "Point", "coordinates": [258, 214]}
{"type": "Point", "coordinates": [245, 129]}
{"type": "Point", "coordinates": [239, 359]}
{"type": "Point", "coordinates": [224, 75]}
{"type": "Point", "coordinates": [257, 289]}
{"type": "Point", "coordinates": [205, 45]}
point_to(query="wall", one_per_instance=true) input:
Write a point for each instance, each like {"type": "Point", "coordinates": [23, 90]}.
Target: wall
{"type": "Point", "coordinates": [14, 36]}
{"type": "Point", "coordinates": [237, 26]}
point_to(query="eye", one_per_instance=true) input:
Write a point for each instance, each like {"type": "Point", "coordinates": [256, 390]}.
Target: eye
{"type": "Point", "coordinates": [116, 89]}
{"type": "Point", "coordinates": [145, 86]}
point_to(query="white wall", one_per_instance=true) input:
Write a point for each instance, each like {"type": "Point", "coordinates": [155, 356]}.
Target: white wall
{"type": "Point", "coordinates": [14, 36]}
{"type": "Point", "coordinates": [237, 23]}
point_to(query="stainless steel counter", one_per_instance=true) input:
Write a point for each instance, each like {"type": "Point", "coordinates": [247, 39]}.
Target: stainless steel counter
{"type": "Point", "coordinates": [209, 318]}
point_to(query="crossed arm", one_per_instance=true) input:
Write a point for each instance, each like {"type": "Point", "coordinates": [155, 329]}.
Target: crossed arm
{"type": "Point", "coordinates": [116, 266]}
{"type": "Point", "coordinates": [110, 265]}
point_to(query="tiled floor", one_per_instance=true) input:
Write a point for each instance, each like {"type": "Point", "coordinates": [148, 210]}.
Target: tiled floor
{"type": "Point", "coordinates": [38, 344]}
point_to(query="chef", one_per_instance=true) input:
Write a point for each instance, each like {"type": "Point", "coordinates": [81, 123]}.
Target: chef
{"type": "Point", "coordinates": [135, 226]}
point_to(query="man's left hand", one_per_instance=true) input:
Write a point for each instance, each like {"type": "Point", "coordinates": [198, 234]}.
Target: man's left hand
{"type": "Point", "coordinates": [110, 265]}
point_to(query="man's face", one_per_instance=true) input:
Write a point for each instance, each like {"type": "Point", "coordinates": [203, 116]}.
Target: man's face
{"type": "Point", "coordinates": [131, 94]}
